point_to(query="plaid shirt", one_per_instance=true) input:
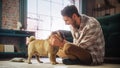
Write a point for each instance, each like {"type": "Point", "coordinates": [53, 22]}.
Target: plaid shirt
{"type": "Point", "coordinates": [90, 37]}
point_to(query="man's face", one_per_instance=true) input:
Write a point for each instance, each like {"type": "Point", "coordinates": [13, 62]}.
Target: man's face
{"type": "Point", "coordinates": [70, 21]}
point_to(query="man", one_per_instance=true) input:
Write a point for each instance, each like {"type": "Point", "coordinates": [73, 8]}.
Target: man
{"type": "Point", "coordinates": [88, 40]}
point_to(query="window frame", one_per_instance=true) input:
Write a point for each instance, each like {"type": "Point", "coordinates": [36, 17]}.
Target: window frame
{"type": "Point", "coordinates": [23, 13]}
{"type": "Point", "coordinates": [0, 13]}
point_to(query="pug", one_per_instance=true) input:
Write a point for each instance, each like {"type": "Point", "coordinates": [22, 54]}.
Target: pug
{"type": "Point", "coordinates": [40, 47]}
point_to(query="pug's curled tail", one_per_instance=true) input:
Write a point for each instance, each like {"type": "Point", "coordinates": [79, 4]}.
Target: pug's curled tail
{"type": "Point", "coordinates": [30, 39]}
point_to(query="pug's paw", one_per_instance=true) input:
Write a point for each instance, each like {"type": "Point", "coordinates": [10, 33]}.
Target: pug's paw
{"type": "Point", "coordinates": [53, 63]}
{"type": "Point", "coordinates": [26, 61]}
{"type": "Point", "coordinates": [40, 61]}
{"type": "Point", "coordinates": [29, 62]}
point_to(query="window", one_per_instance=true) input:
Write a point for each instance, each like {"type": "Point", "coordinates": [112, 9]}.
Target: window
{"type": "Point", "coordinates": [44, 16]}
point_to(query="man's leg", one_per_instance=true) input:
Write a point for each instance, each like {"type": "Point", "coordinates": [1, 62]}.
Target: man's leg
{"type": "Point", "coordinates": [83, 55]}
{"type": "Point", "coordinates": [63, 55]}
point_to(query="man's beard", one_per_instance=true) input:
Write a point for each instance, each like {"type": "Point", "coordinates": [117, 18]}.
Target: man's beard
{"type": "Point", "coordinates": [75, 25]}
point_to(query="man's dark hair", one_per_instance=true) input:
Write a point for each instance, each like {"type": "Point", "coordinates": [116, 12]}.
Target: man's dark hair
{"type": "Point", "coordinates": [69, 11]}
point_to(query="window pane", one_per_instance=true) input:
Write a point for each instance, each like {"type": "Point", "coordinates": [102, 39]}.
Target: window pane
{"type": "Point", "coordinates": [42, 34]}
{"type": "Point", "coordinates": [32, 6]}
{"type": "Point", "coordinates": [31, 22]}
{"type": "Point", "coordinates": [44, 23]}
{"type": "Point", "coordinates": [58, 24]}
{"type": "Point", "coordinates": [57, 1]}
{"type": "Point", "coordinates": [66, 2]}
{"type": "Point", "coordinates": [56, 10]}
{"type": "Point", "coordinates": [44, 16]}
{"type": "Point", "coordinates": [44, 7]}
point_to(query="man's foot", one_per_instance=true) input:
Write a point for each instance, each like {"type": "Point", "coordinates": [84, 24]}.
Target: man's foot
{"type": "Point", "coordinates": [71, 62]}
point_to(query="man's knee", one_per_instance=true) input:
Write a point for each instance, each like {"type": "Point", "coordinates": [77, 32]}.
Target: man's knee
{"type": "Point", "coordinates": [67, 48]}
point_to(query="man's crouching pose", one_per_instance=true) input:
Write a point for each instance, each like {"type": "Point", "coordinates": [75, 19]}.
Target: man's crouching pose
{"type": "Point", "coordinates": [88, 40]}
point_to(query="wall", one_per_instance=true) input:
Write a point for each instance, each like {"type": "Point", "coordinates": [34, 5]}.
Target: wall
{"type": "Point", "coordinates": [111, 11]}
{"type": "Point", "coordinates": [10, 14]}
{"type": "Point", "coordinates": [90, 7]}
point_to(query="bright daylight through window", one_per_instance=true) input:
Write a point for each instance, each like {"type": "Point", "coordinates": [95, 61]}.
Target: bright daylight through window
{"type": "Point", "coordinates": [44, 16]}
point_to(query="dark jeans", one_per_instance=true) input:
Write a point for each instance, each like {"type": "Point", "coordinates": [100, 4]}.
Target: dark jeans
{"type": "Point", "coordinates": [71, 62]}
{"type": "Point", "coordinates": [82, 55]}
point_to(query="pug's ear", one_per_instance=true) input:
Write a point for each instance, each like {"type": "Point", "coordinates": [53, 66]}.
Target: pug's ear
{"type": "Point", "coordinates": [58, 33]}
{"type": "Point", "coordinates": [61, 34]}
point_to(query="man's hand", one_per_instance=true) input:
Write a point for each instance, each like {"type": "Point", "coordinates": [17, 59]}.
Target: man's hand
{"type": "Point", "coordinates": [55, 41]}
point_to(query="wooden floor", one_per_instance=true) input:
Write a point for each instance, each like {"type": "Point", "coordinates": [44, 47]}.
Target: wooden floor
{"type": "Point", "coordinates": [8, 64]}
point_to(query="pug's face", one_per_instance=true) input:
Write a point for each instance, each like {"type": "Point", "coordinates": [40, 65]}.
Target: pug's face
{"type": "Point", "coordinates": [56, 34]}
